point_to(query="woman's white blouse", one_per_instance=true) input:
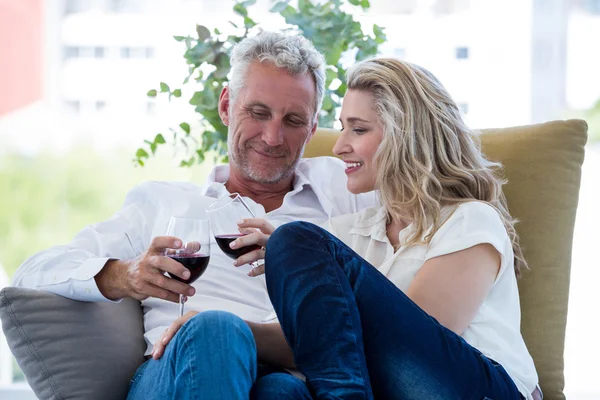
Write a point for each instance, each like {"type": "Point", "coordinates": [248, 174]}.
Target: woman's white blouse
{"type": "Point", "coordinates": [495, 330]}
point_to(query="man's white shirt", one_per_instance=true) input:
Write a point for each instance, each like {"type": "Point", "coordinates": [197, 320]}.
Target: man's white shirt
{"type": "Point", "coordinates": [319, 193]}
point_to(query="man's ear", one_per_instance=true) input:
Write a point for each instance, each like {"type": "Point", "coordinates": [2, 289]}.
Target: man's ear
{"type": "Point", "coordinates": [224, 106]}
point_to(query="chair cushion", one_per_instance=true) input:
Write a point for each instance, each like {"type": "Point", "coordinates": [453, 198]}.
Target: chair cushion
{"type": "Point", "coordinates": [73, 350]}
{"type": "Point", "coordinates": [543, 166]}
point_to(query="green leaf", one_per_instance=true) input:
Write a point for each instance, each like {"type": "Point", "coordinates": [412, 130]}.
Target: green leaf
{"type": "Point", "coordinates": [330, 76]}
{"type": "Point", "coordinates": [185, 127]}
{"type": "Point", "coordinates": [303, 5]}
{"type": "Point", "coordinates": [240, 10]}
{"type": "Point", "coordinates": [365, 4]}
{"type": "Point", "coordinates": [153, 148]}
{"type": "Point", "coordinates": [248, 3]}
{"type": "Point", "coordinates": [151, 93]}
{"type": "Point", "coordinates": [334, 54]}
{"type": "Point", "coordinates": [279, 6]}
{"type": "Point", "coordinates": [203, 33]}
{"type": "Point", "coordinates": [201, 156]}
{"type": "Point", "coordinates": [354, 2]}
{"type": "Point", "coordinates": [289, 13]}
{"type": "Point", "coordinates": [164, 88]}
{"type": "Point", "coordinates": [179, 38]}
{"type": "Point", "coordinates": [249, 22]}
{"type": "Point", "coordinates": [141, 153]}
{"type": "Point", "coordinates": [177, 93]}
{"type": "Point", "coordinates": [217, 31]}
{"type": "Point", "coordinates": [341, 91]}
{"type": "Point", "coordinates": [328, 103]}
{"type": "Point", "coordinates": [234, 25]}
{"type": "Point", "coordinates": [204, 100]}
{"type": "Point", "coordinates": [159, 138]}
{"type": "Point", "coordinates": [223, 66]}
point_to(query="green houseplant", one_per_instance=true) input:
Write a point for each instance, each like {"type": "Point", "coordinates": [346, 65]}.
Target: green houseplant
{"type": "Point", "coordinates": [328, 24]}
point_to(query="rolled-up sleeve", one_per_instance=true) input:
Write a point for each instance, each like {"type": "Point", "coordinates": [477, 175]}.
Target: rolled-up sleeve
{"type": "Point", "coordinates": [69, 270]}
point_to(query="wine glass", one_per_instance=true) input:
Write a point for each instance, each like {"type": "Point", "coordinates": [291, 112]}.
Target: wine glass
{"type": "Point", "coordinates": [224, 215]}
{"type": "Point", "coordinates": [194, 253]}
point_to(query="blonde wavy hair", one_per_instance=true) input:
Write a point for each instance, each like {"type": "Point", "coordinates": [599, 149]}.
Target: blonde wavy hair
{"type": "Point", "coordinates": [428, 157]}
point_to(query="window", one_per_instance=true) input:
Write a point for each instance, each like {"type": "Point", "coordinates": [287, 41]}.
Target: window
{"type": "Point", "coordinates": [137, 52]}
{"type": "Point", "coordinates": [129, 6]}
{"type": "Point", "coordinates": [73, 106]}
{"type": "Point", "coordinates": [84, 52]}
{"type": "Point", "coordinates": [592, 6]}
{"type": "Point", "coordinates": [74, 6]}
{"type": "Point", "coordinates": [99, 52]}
{"type": "Point", "coordinates": [100, 105]}
{"type": "Point", "coordinates": [462, 53]}
{"type": "Point", "coordinates": [118, 5]}
{"type": "Point", "coordinates": [71, 52]}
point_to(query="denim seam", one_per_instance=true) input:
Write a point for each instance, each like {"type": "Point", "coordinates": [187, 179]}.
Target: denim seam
{"type": "Point", "coordinates": [326, 248]}
{"type": "Point", "coordinates": [191, 368]}
{"type": "Point", "coordinates": [357, 358]}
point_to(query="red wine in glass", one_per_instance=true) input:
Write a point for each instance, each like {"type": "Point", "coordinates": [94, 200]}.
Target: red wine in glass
{"type": "Point", "coordinates": [194, 254]}
{"type": "Point", "coordinates": [224, 240]}
{"type": "Point", "coordinates": [195, 263]}
{"type": "Point", "coordinates": [224, 214]}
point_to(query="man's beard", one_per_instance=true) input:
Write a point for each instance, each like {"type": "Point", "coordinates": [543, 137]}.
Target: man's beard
{"type": "Point", "coordinates": [238, 157]}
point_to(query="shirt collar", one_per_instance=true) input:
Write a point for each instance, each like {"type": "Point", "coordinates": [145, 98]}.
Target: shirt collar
{"type": "Point", "coordinates": [373, 223]}
{"type": "Point", "coordinates": [215, 183]}
{"type": "Point", "coordinates": [218, 177]}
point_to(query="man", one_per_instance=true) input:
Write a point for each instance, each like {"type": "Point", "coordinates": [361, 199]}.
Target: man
{"type": "Point", "coordinates": [270, 108]}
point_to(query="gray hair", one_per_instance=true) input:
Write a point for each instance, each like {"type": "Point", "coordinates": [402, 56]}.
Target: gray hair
{"type": "Point", "coordinates": [295, 53]}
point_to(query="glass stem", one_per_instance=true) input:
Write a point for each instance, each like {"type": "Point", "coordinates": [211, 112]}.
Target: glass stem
{"type": "Point", "coordinates": [181, 303]}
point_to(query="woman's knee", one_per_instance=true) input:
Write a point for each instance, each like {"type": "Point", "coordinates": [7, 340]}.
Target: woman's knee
{"type": "Point", "coordinates": [297, 234]}
{"type": "Point", "coordinates": [291, 232]}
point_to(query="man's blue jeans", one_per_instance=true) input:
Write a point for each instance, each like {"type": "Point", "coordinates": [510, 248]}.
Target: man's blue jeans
{"type": "Point", "coordinates": [213, 356]}
{"type": "Point", "coordinates": [357, 336]}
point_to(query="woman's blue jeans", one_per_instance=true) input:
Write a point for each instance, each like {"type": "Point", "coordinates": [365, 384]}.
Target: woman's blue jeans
{"type": "Point", "coordinates": [213, 356]}
{"type": "Point", "coordinates": [355, 335]}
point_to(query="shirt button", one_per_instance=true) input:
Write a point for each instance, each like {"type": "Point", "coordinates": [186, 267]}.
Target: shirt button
{"type": "Point", "coordinates": [88, 290]}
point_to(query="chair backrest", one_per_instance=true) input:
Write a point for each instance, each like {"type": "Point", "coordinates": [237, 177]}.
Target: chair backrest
{"type": "Point", "coordinates": [543, 166]}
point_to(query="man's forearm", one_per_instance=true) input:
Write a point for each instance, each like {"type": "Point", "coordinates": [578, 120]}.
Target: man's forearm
{"type": "Point", "coordinates": [110, 279]}
{"type": "Point", "coordinates": [271, 345]}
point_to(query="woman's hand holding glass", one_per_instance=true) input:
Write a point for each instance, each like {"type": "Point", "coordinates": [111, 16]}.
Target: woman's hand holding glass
{"type": "Point", "coordinates": [256, 233]}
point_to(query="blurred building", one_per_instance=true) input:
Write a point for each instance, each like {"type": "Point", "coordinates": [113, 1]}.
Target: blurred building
{"type": "Point", "coordinates": [92, 61]}
{"type": "Point", "coordinates": [21, 68]}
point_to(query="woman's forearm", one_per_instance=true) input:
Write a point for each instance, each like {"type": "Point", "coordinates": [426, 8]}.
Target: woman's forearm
{"type": "Point", "coordinates": [271, 345]}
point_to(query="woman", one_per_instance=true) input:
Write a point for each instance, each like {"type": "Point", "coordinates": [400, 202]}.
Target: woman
{"type": "Point", "coordinates": [415, 299]}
